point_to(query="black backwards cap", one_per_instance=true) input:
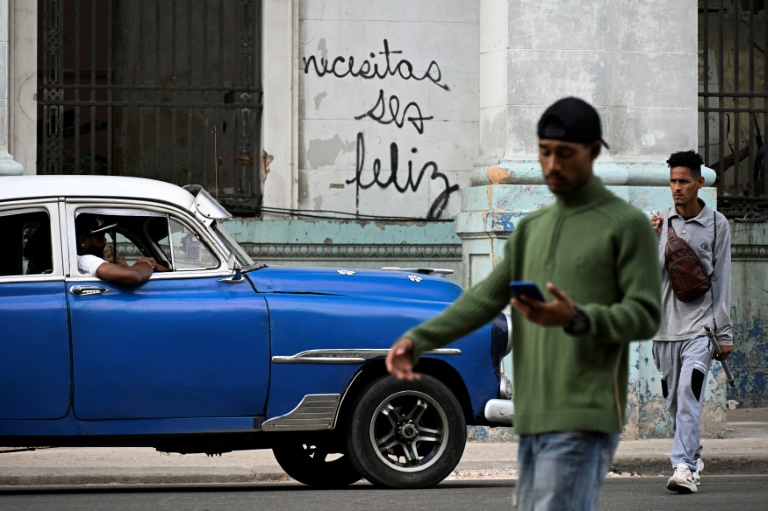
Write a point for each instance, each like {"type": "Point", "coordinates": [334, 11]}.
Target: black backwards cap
{"type": "Point", "coordinates": [571, 120]}
{"type": "Point", "coordinates": [92, 224]}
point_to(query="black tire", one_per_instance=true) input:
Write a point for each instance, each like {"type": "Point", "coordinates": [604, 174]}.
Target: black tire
{"type": "Point", "coordinates": [406, 434]}
{"type": "Point", "coordinates": [310, 464]}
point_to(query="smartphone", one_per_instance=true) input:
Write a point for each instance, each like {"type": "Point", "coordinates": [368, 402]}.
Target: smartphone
{"type": "Point", "coordinates": [529, 289]}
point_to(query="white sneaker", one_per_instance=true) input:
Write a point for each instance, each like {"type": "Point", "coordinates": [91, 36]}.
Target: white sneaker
{"type": "Point", "coordinates": [699, 470]}
{"type": "Point", "coordinates": [682, 480]}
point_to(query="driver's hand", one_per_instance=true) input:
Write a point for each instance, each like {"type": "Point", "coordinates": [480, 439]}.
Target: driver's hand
{"type": "Point", "coordinates": [150, 261]}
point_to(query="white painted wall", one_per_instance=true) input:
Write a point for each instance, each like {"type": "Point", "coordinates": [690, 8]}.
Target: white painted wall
{"type": "Point", "coordinates": [22, 83]}
{"type": "Point", "coordinates": [620, 56]}
{"type": "Point", "coordinates": [436, 40]}
{"type": "Point", "coordinates": [8, 166]}
{"type": "Point", "coordinates": [280, 115]}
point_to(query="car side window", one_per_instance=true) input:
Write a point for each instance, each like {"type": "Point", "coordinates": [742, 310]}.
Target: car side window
{"type": "Point", "coordinates": [125, 242]}
{"type": "Point", "coordinates": [26, 236]}
{"type": "Point", "coordinates": [189, 252]}
{"type": "Point", "coordinates": [128, 253]}
{"type": "Point", "coordinates": [136, 233]}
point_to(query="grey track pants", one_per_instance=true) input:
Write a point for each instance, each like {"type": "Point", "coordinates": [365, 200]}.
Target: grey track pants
{"type": "Point", "coordinates": [684, 366]}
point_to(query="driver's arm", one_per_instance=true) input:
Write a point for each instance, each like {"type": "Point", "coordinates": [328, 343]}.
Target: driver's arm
{"type": "Point", "coordinates": [131, 275]}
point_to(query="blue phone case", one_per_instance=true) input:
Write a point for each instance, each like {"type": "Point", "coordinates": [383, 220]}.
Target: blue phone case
{"type": "Point", "coordinates": [529, 289]}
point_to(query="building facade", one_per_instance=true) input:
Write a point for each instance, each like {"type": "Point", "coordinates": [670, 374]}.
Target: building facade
{"type": "Point", "coordinates": [361, 133]}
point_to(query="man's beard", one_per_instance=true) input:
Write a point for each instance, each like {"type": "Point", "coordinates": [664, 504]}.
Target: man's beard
{"type": "Point", "coordinates": [96, 251]}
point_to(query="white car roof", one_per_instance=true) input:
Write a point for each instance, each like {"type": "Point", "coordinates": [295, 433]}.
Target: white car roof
{"type": "Point", "coordinates": [32, 187]}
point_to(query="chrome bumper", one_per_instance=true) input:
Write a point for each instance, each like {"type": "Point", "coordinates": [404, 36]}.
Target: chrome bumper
{"type": "Point", "coordinates": [500, 411]}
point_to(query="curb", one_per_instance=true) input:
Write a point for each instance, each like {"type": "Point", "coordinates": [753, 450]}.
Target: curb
{"type": "Point", "coordinates": [650, 465]}
{"type": "Point", "coordinates": [9, 482]}
{"type": "Point", "coordinates": [740, 464]}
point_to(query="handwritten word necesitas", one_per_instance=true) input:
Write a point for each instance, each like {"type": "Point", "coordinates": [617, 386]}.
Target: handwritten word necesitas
{"type": "Point", "coordinates": [341, 67]}
{"type": "Point", "coordinates": [438, 205]}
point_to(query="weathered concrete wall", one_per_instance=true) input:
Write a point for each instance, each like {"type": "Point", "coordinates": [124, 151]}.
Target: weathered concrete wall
{"type": "Point", "coordinates": [749, 313]}
{"type": "Point", "coordinates": [340, 245]}
{"type": "Point", "coordinates": [387, 105]}
{"type": "Point", "coordinates": [610, 54]}
{"type": "Point", "coordinates": [464, 91]}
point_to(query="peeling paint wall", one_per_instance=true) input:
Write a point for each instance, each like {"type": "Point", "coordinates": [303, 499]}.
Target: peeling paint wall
{"type": "Point", "coordinates": [388, 105]}
{"type": "Point", "coordinates": [749, 313]}
{"type": "Point", "coordinates": [646, 413]}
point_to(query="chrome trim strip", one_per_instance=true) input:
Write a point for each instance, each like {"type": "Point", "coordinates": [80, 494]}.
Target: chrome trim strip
{"type": "Point", "coordinates": [349, 356]}
{"type": "Point", "coordinates": [316, 412]}
{"type": "Point", "coordinates": [31, 277]}
{"type": "Point", "coordinates": [440, 272]}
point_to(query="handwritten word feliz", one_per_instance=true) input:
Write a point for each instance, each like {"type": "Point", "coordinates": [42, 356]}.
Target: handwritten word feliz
{"type": "Point", "coordinates": [383, 181]}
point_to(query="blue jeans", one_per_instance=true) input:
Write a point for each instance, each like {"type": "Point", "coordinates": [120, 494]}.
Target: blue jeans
{"type": "Point", "coordinates": [563, 471]}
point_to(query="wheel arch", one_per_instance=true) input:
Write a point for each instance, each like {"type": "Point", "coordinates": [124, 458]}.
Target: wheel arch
{"type": "Point", "coordinates": [373, 370]}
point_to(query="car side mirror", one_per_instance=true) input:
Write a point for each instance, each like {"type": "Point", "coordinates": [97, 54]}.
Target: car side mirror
{"type": "Point", "coordinates": [237, 275]}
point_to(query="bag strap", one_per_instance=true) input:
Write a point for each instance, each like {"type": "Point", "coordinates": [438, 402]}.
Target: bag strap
{"type": "Point", "coordinates": [671, 232]}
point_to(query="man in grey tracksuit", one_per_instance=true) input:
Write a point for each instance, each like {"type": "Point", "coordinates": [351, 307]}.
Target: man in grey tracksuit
{"type": "Point", "coordinates": [681, 350]}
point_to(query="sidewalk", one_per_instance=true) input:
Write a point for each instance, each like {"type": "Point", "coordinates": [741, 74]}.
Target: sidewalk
{"type": "Point", "coordinates": [744, 451]}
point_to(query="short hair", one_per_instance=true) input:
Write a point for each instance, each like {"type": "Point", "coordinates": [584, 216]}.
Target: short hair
{"type": "Point", "coordinates": [688, 159]}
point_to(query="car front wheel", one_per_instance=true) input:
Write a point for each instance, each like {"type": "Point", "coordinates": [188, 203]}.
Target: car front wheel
{"type": "Point", "coordinates": [313, 465]}
{"type": "Point", "coordinates": [406, 434]}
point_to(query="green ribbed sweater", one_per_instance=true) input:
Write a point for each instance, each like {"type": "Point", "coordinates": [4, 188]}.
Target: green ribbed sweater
{"type": "Point", "coordinates": [602, 252]}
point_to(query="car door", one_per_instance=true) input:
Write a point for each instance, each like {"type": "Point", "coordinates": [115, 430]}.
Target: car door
{"type": "Point", "coordinates": [186, 343]}
{"type": "Point", "coordinates": [34, 344]}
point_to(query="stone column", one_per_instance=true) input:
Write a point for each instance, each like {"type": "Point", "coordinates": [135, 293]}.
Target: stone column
{"type": "Point", "coordinates": [8, 166]}
{"type": "Point", "coordinates": [636, 62]}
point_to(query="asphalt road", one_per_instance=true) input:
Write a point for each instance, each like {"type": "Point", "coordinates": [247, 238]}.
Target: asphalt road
{"type": "Point", "coordinates": [744, 493]}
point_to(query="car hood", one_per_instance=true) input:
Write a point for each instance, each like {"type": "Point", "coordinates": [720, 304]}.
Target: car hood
{"type": "Point", "coordinates": [354, 282]}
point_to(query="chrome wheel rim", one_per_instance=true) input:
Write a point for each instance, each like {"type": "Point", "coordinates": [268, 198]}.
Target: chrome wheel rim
{"type": "Point", "coordinates": [409, 431]}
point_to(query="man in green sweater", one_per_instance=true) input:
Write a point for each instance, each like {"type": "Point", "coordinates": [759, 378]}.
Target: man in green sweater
{"type": "Point", "coordinates": [596, 255]}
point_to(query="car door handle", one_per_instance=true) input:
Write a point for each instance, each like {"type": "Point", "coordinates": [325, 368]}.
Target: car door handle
{"type": "Point", "coordinates": [87, 290]}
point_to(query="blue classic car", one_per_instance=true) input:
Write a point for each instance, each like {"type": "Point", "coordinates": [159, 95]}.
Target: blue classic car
{"type": "Point", "coordinates": [221, 353]}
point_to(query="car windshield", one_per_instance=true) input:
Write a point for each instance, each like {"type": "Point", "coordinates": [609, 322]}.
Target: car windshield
{"type": "Point", "coordinates": [242, 256]}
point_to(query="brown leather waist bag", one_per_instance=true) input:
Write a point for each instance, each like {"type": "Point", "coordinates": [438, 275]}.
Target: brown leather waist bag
{"type": "Point", "coordinates": [687, 275]}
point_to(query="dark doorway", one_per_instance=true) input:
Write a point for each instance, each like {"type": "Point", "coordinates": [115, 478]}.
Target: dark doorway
{"type": "Point", "coordinates": [162, 89]}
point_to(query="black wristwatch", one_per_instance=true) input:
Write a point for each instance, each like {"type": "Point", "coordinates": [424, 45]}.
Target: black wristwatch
{"type": "Point", "coordinates": [579, 323]}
